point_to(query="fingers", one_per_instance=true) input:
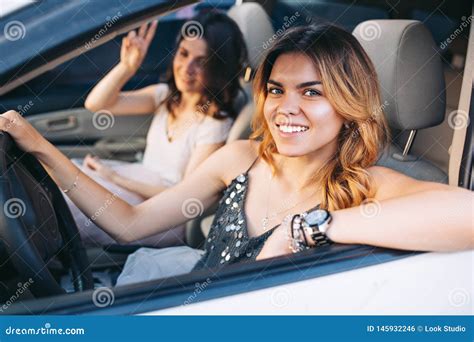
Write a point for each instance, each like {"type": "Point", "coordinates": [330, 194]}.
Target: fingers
{"type": "Point", "coordinates": [125, 42]}
{"type": "Point", "coordinates": [142, 30]}
{"type": "Point", "coordinates": [5, 123]}
{"type": "Point", "coordinates": [132, 34]}
{"type": "Point", "coordinates": [7, 120]}
{"type": "Point", "coordinates": [86, 162]}
{"type": "Point", "coordinates": [151, 31]}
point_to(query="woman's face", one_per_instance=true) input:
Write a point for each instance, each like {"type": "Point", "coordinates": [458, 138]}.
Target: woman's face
{"type": "Point", "coordinates": [300, 117]}
{"type": "Point", "coordinates": [188, 65]}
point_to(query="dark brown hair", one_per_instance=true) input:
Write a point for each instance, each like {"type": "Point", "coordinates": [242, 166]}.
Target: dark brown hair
{"type": "Point", "coordinates": [226, 61]}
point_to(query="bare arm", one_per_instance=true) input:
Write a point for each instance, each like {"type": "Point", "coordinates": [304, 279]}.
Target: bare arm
{"type": "Point", "coordinates": [146, 190]}
{"type": "Point", "coordinates": [410, 214]}
{"type": "Point", "coordinates": [405, 214]}
{"type": "Point", "coordinates": [107, 94]}
{"type": "Point", "coordinates": [121, 220]}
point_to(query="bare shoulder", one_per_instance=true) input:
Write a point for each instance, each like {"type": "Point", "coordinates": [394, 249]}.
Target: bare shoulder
{"type": "Point", "coordinates": [235, 158]}
{"type": "Point", "coordinates": [390, 183]}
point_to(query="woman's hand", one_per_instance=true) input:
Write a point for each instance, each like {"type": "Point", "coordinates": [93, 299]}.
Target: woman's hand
{"type": "Point", "coordinates": [135, 46]}
{"type": "Point", "coordinates": [278, 243]}
{"type": "Point", "coordinates": [25, 135]}
{"type": "Point", "coordinates": [94, 164]}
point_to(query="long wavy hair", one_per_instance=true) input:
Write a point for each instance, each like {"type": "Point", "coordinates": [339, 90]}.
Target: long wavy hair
{"type": "Point", "coordinates": [226, 61]}
{"type": "Point", "coordinates": [350, 84]}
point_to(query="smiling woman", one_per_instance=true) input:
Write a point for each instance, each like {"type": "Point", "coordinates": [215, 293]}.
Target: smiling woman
{"type": "Point", "coordinates": [335, 85]}
{"type": "Point", "coordinates": [301, 182]}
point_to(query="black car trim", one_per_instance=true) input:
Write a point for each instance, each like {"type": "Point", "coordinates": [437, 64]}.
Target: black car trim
{"type": "Point", "coordinates": [21, 65]}
{"type": "Point", "coordinates": [230, 280]}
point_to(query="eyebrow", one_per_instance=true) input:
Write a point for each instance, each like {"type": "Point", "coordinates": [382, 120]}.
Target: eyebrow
{"type": "Point", "coordinates": [301, 85]}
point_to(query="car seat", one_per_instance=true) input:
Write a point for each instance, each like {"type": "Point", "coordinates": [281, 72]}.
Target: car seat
{"type": "Point", "coordinates": [412, 87]}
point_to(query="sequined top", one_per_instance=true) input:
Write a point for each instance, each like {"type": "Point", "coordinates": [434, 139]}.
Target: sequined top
{"type": "Point", "coordinates": [228, 241]}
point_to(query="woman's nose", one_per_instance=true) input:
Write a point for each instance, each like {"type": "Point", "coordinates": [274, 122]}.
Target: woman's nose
{"type": "Point", "coordinates": [190, 67]}
{"type": "Point", "coordinates": [289, 105]}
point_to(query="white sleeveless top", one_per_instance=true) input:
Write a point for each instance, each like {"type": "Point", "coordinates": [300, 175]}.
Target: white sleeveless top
{"type": "Point", "coordinates": [169, 159]}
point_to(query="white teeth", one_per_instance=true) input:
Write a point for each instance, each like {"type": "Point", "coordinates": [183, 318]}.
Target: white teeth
{"type": "Point", "coordinates": [292, 129]}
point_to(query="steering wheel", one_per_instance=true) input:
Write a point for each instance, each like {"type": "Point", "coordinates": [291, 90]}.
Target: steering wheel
{"type": "Point", "coordinates": [36, 226]}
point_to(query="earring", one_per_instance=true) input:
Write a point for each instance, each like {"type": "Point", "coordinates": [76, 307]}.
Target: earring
{"type": "Point", "coordinates": [346, 125]}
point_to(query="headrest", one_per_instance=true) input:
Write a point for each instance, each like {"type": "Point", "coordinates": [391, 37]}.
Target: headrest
{"type": "Point", "coordinates": [409, 71]}
{"type": "Point", "coordinates": [256, 28]}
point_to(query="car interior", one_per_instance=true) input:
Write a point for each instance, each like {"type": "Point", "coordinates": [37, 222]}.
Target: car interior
{"type": "Point", "coordinates": [420, 83]}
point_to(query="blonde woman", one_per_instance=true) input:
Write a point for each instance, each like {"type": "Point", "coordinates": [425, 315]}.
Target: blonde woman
{"type": "Point", "coordinates": [310, 97]}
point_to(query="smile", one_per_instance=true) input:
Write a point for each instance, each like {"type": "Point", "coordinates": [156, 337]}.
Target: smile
{"type": "Point", "coordinates": [292, 128]}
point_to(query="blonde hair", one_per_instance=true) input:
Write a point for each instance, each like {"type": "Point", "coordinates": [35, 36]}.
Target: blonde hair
{"type": "Point", "coordinates": [350, 84]}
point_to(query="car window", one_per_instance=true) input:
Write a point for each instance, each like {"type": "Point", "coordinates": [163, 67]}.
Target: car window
{"type": "Point", "coordinates": [67, 85]}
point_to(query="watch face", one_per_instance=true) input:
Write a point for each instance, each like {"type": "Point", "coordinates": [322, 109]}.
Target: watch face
{"type": "Point", "coordinates": [316, 217]}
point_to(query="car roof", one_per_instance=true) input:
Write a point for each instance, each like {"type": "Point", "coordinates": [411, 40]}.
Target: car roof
{"type": "Point", "coordinates": [41, 37]}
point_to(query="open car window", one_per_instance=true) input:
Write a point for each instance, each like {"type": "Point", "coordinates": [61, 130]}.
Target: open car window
{"type": "Point", "coordinates": [65, 66]}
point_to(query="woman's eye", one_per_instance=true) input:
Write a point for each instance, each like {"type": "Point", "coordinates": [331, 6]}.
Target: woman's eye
{"type": "Point", "coordinates": [183, 53]}
{"type": "Point", "coordinates": [275, 91]}
{"type": "Point", "coordinates": [311, 92]}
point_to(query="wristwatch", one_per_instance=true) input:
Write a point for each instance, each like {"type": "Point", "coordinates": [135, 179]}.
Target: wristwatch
{"type": "Point", "coordinates": [315, 224]}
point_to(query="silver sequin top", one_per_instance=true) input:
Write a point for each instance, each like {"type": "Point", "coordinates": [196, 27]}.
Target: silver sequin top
{"type": "Point", "coordinates": [228, 241]}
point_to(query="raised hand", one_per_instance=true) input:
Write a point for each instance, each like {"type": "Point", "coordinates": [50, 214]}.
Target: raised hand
{"type": "Point", "coordinates": [135, 46]}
